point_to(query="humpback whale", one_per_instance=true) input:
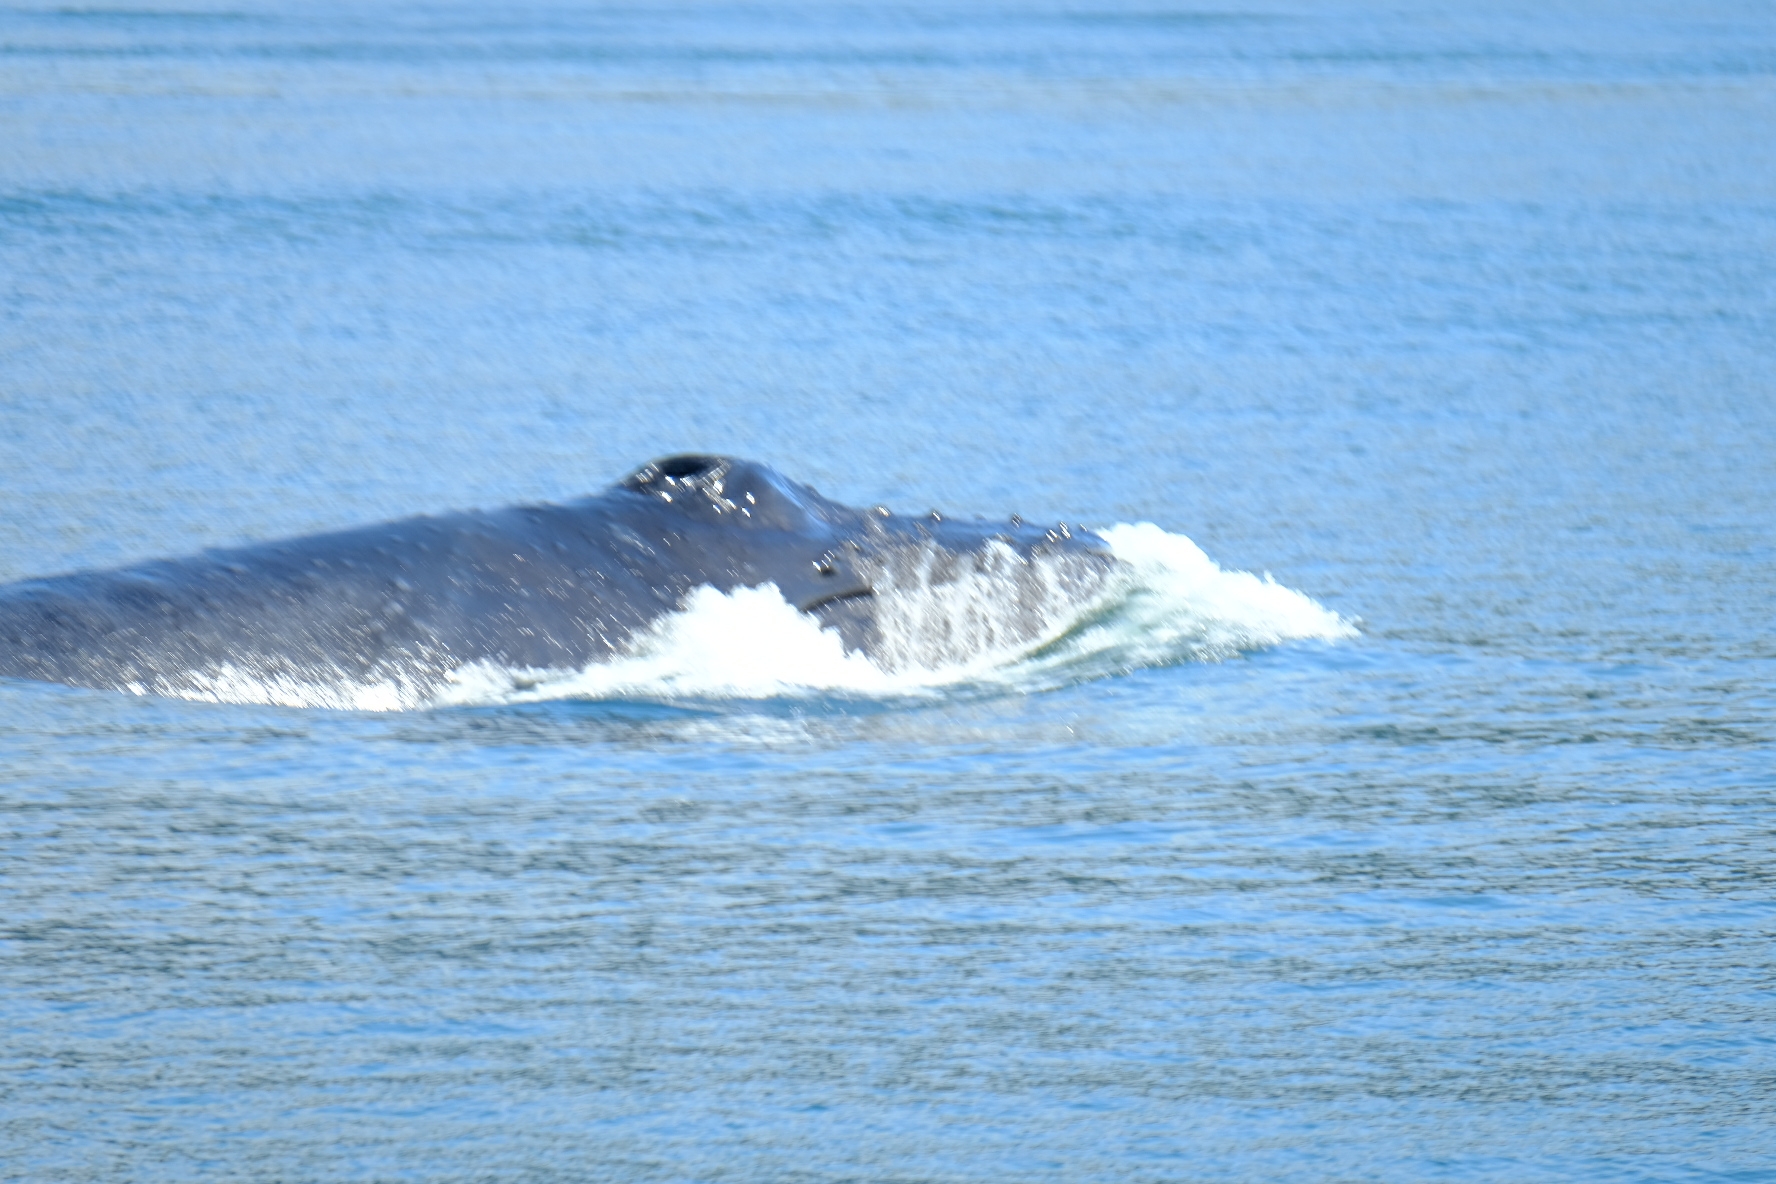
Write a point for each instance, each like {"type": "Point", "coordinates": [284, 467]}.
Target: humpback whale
{"type": "Point", "coordinates": [548, 587]}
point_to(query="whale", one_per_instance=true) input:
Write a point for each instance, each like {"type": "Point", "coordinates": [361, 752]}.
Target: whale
{"type": "Point", "coordinates": [539, 588]}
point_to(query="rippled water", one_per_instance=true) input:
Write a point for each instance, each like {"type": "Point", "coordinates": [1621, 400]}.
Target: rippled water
{"type": "Point", "coordinates": [1458, 320]}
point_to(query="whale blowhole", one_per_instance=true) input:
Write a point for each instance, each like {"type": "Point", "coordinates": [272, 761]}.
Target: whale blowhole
{"type": "Point", "coordinates": [680, 467]}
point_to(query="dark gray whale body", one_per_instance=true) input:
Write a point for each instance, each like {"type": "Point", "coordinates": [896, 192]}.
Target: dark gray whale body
{"type": "Point", "coordinates": [528, 588]}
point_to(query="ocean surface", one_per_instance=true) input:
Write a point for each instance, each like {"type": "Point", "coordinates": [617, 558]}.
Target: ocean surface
{"type": "Point", "coordinates": [1424, 831]}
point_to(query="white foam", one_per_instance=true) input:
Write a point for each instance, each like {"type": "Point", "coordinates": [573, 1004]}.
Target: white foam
{"type": "Point", "coordinates": [1002, 622]}
{"type": "Point", "coordinates": [746, 644]}
{"type": "Point", "coordinates": [236, 684]}
{"type": "Point", "coordinates": [1174, 604]}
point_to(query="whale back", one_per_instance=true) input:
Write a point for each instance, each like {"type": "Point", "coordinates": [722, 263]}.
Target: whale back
{"type": "Point", "coordinates": [540, 587]}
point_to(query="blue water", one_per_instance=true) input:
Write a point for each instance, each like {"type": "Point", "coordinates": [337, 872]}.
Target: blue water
{"type": "Point", "coordinates": [1459, 319]}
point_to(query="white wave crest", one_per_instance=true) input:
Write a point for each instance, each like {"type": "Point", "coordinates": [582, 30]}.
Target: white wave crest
{"type": "Point", "coordinates": [344, 691]}
{"type": "Point", "coordinates": [748, 644]}
{"type": "Point", "coordinates": [1173, 604]}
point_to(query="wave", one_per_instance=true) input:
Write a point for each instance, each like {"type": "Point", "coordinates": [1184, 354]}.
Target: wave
{"type": "Point", "coordinates": [1006, 625]}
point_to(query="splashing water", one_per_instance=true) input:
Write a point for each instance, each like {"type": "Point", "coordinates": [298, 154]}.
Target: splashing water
{"type": "Point", "coordinates": [1173, 603]}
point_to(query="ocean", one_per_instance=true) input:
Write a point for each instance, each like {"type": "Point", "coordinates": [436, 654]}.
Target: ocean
{"type": "Point", "coordinates": [1413, 822]}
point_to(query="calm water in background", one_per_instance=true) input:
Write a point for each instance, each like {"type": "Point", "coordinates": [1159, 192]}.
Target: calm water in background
{"type": "Point", "coordinates": [1462, 322]}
